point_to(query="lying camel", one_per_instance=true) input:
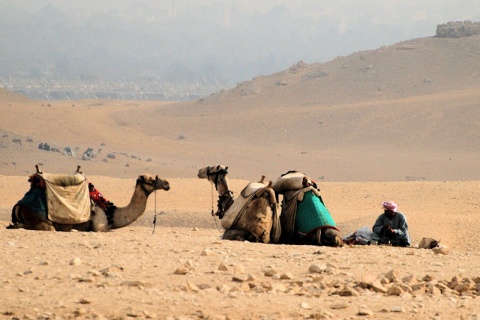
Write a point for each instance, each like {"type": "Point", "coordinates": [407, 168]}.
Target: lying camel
{"type": "Point", "coordinates": [304, 217]}
{"type": "Point", "coordinates": [253, 216]}
{"type": "Point", "coordinates": [98, 220]}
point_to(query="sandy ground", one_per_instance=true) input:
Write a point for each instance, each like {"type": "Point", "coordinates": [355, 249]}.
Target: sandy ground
{"type": "Point", "coordinates": [181, 269]}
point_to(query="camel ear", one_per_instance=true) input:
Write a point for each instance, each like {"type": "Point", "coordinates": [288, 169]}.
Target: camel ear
{"type": "Point", "coordinates": [141, 178]}
{"type": "Point", "coordinates": [226, 168]}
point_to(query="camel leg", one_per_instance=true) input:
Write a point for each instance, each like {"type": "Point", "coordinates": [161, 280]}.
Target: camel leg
{"type": "Point", "coordinates": [237, 235]}
{"type": "Point", "coordinates": [43, 226]}
{"type": "Point", "coordinates": [99, 220]}
{"type": "Point", "coordinates": [27, 219]}
{"type": "Point", "coordinates": [33, 222]}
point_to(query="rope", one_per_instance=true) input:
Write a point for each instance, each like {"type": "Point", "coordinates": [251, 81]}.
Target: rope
{"type": "Point", "coordinates": [155, 213]}
{"type": "Point", "coordinates": [213, 212]}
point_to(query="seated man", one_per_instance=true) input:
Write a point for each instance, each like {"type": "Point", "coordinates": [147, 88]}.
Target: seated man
{"type": "Point", "coordinates": [391, 227]}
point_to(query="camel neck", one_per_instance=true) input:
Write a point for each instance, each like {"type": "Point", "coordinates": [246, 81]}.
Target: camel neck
{"type": "Point", "coordinates": [222, 184]}
{"type": "Point", "coordinates": [123, 216]}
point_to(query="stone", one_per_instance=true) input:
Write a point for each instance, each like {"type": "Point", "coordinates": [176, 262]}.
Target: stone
{"type": "Point", "coordinates": [419, 287]}
{"type": "Point", "coordinates": [269, 272]}
{"type": "Point", "coordinates": [378, 287]}
{"type": "Point", "coordinates": [410, 279]}
{"type": "Point", "coordinates": [395, 290]}
{"type": "Point", "coordinates": [397, 309]}
{"type": "Point", "coordinates": [428, 278]}
{"type": "Point", "coordinates": [317, 268]}
{"type": "Point", "coordinates": [238, 269]}
{"type": "Point", "coordinates": [339, 305]}
{"type": "Point", "coordinates": [222, 267]}
{"type": "Point", "coordinates": [305, 305]}
{"type": "Point", "coordinates": [392, 275]}
{"type": "Point", "coordinates": [207, 252]}
{"type": "Point", "coordinates": [348, 291]}
{"type": "Point", "coordinates": [364, 311]}
{"type": "Point", "coordinates": [286, 276]}
{"type": "Point", "coordinates": [441, 249]}
{"type": "Point", "coordinates": [433, 290]}
{"type": "Point", "coordinates": [240, 278]}
{"type": "Point", "coordinates": [181, 270]}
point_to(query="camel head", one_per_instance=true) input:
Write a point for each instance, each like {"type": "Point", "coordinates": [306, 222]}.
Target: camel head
{"type": "Point", "coordinates": [149, 183]}
{"type": "Point", "coordinates": [330, 237]}
{"type": "Point", "coordinates": [211, 171]}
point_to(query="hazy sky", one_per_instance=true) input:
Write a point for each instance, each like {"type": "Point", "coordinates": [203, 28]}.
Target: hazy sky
{"type": "Point", "coordinates": [188, 40]}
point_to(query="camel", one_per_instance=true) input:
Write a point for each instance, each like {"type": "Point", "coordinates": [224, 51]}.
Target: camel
{"type": "Point", "coordinates": [253, 216]}
{"type": "Point", "coordinates": [304, 217]}
{"type": "Point", "coordinates": [99, 220]}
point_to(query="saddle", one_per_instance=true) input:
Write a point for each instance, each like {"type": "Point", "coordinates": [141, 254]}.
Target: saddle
{"type": "Point", "coordinates": [252, 191]}
{"type": "Point", "coordinates": [303, 209]}
{"type": "Point", "coordinates": [61, 198]}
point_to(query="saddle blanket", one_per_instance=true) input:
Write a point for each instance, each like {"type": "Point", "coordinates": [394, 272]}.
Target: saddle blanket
{"type": "Point", "coordinates": [68, 199]}
{"type": "Point", "coordinates": [312, 214]}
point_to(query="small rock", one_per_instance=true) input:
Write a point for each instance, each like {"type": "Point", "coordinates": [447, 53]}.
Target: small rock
{"type": "Point", "coordinates": [305, 305]}
{"type": "Point", "coordinates": [269, 272]}
{"type": "Point", "coordinates": [441, 249]}
{"type": "Point", "coordinates": [397, 309]}
{"type": "Point", "coordinates": [84, 301]}
{"type": "Point", "coordinates": [240, 278]}
{"type": "Point", "coordinates": [238, 269]}
{"type": "Point", "coordinates": [189, 265]}
{"type": "Point", "coordinates": [207, 252]}
{"type": "Point", "coordinates": [347, 291]}
{"type": "Point", "coordinates": [339, 305]}
{"type": "Point", "coordinates": [286, 276]}
{"type": "Point", "coordinates": [394, 290]}
{"type": "Point", "coordinates": [364, 311]}
{"type": "Point", "coordinates": [134, 283]}
{"type": "Point", "coordinates": [433, 290]}
{"type": "Point", "coordinates": [428, 278]}
{"type": "Point", "coordinates": [392, 275]}
{"type": "Point", "coordinates": [223, 267]}
{"type": "Point", "coordinates": [75, 261]}
{"type": "Point", "coordinates": [191, 287]}
{"type": "Point", "coordinates": [182, 271]}
{"type": "Point", "coordinates": [410, 279]}
{"type": "Point", "coordinates": [378, 287]}
{"type": "Point", "coordinates": [315, 268]}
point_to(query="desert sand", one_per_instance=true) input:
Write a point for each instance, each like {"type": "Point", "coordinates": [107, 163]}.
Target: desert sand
{"type": "Point", "coordinates": [398, 123]}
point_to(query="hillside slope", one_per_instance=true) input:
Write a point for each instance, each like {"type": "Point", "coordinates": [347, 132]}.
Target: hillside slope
{"type": "Point", "coordinates": [409, 111]}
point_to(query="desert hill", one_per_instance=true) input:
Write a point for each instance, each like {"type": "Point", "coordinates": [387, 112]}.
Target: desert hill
{"type": "Point", "coordinates": [403, 112]}
{"type": "Point", "coordinates": [416, 67]}
{"type": "Point", "coordinates": [7, 96]}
